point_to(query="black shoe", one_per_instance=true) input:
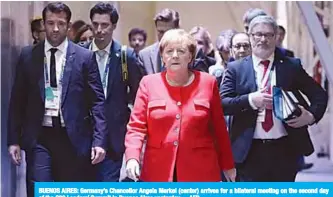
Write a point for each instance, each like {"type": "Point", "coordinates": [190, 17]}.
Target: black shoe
{"type": "Point", "coordinates": [306, 166]}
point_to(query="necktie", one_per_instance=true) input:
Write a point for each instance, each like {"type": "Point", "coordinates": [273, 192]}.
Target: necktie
{"type": "Point", "coordinates": [268, 123]}
{"type": "Point", "coordinates": [53, 76]}
{"type": "Point", "coordinates": [101, 53]}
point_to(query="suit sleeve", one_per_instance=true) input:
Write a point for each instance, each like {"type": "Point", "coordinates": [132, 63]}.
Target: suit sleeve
{"type": "Point", "coordinates": [137, 126]}
{"type": "Point", "coordinates": [17, 105]}
{"type": "Point", "coordinates": [134, 75]}
{"type": "Point", "coordinates": [220, 130]}
{"type": "Point", "coordinates": [316, 94]}
{"type": "Point", "coordinates": [232, 102]}
{"type": "Point", "coordinates": [96, 98]}
{"type": "Point", "coordinates": [141, 63]}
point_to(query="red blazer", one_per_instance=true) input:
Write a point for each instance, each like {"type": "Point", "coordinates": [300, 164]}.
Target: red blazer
{"type": "Point", "coordinates": [177, 122]}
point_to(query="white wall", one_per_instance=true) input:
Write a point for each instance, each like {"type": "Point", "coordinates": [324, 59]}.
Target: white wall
{"type": "Point", "coordinates": [215, 16]}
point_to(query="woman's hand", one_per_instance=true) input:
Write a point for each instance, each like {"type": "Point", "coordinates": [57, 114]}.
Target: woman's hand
{"type": "Point", "coordinates": [230, 175]}
{"type": "Point", "coordinates": [133, 169]}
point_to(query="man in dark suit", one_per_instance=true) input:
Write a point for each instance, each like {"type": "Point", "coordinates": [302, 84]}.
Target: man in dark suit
{"type": "Point", "coordinates": [281, 33]}
{"type": "Point", "coordinates": [119, 89]}
{"type": "Point", "coordinates": [56, 112]}
{"type": "Point", "coordinates": [150, 57]}
{"type": "Point", "coordinates": [264, 147]}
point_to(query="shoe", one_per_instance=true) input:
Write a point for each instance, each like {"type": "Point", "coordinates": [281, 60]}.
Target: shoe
{"type": "Point", "coordinates": [306, 166]}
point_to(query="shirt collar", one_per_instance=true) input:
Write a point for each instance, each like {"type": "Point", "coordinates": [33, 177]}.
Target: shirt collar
{"type": "Point", "coordinates": [62, 47]}
{"type": "Point", "coordinates": [106, 49]}
{"type": "Point", "coordinates": [257, 60]}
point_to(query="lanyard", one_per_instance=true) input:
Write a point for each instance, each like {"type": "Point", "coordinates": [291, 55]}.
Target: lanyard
{"type": "Point", "coordinates": [106, 71]}
{"type": "Point", "coordinates": [46, 71]}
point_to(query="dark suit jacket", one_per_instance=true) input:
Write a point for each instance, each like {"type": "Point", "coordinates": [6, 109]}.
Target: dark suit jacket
{"type": "Point", "coordinates": [202, 62]}
{"type": "Point", "coordinates": [286, 52]}
{"type": "Point", "coordinates": [82, 99]}
{"type": "Point", "coordinates": [117, 100]}
{"type": "Point", "coordinates": [239, 81]}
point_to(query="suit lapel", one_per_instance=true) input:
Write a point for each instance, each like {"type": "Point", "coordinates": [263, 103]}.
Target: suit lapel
{"type": "Point", "coordinates": [280, 72]}
{"type": "Point", "coordinates": [70, 57]}
{"type": "Point", "coordinates": [250, 73]}
{"type": "Point", "coordinates": [38, 62]}
{"type": "Point", "coordinates": [155, 59]}
{"type": "Point", "coordinates": [114, 66]}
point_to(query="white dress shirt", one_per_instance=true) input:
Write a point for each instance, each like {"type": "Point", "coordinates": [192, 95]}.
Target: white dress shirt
{"type": "Point", "coordinates": [60, 58]}
{"type": "Point", "coordinates": [102, 56]}
{"type": "Point", "coordinates": [278, 130]}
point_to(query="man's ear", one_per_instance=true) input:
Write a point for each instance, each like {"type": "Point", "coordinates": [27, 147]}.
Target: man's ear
{"type": "Point", "coordinates": [35, 35]}
{"type": "Point", "coordinates": [69, 26]}
{"type": "Point", "coordinates": [114, 26]}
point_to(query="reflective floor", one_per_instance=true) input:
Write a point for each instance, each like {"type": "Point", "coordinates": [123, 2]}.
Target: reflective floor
{"type": "Point", "coordinates": [322, 171]}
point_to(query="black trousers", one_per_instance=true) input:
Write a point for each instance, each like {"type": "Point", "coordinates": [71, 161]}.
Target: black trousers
{"type": "Point", "coordinates": [269, 161]}
{"type": "Point", "coordinates": [55, 159]}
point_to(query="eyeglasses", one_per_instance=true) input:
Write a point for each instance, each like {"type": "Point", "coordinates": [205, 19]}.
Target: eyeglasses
{"type": "Point", "coordinates": [259, 35]}
{"type": "Point", "coordinates": [245, 46]}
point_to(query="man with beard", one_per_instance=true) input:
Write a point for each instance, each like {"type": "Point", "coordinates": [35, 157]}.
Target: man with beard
{"type": "Point", "coordinates": [120, 83]}
{"type": "Point", "coordinates": [56, 112]}
{"type": "Point", "coordinates": [266, 148]}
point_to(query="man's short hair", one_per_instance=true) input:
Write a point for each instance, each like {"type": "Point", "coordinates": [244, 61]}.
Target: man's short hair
{"type": "Point", "coordinates": [36, 24]}
{"type": "Point", "coordinates": [76, 25]}
{"type": "Point", "coordinates": [265, 20]}
{"type": "Point", "coordinates": [135, 31]}
{"type": "Point", "coordinates": [57, 7]}
{"type": "Point", "coordinates": [232, 37]}
{"type": "Point", "coordinates": [105, 8]}
{"type": "Point", "coordinates": [282, 29]}
{"type": "Point", "coordinates": [251, 13]}
{"type": "Point", "coordinates": [168, 15]}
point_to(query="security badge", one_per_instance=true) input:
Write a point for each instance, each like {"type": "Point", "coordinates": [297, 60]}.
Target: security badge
{"type": "Point", "coordinates": [51, 101]}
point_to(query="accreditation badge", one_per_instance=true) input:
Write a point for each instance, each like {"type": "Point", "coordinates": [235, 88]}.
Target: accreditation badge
{"type": "Point", "coordinates": [51, 101]}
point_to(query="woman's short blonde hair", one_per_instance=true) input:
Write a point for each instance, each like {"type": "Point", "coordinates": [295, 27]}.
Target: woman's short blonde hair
{"type": "Point", "coordinates": [178, 36]}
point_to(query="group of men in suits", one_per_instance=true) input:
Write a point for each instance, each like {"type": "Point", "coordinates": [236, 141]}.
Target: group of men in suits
{"type": "Point", "coordinates": [69, 104]}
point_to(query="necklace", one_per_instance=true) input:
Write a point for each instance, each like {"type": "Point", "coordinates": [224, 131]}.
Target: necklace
{"type": "Point", "coordinates": [172, 83]}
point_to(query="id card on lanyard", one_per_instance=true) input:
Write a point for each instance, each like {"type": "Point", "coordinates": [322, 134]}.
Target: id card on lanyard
{"type": "Point", "coordinates": [105, 75]}
{"type": "Point", "coordinates": [104, 78]}
{"type": "Point", "coordinates": [265, 82]}
{"type": "Point", "coordinates": [52, 95]}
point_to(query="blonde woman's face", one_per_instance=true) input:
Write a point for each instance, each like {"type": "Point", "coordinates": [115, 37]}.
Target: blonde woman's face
{"type": "Point", "coordinates": [176, 56]}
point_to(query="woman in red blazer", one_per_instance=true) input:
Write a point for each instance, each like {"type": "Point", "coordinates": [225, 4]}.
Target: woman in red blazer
{"type": "Point", "coordinates": [179, 112]}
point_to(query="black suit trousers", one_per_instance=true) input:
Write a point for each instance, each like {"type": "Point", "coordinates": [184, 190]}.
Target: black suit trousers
{"type": "Point", "coordinates": [54, 159]}
{"type": "Point", "coordinates": [269, 161]}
